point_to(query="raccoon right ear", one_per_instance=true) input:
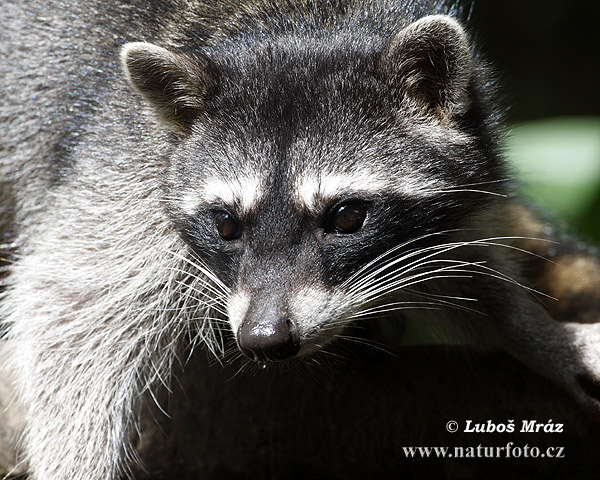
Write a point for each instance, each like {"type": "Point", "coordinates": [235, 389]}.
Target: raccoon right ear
{"type": "Point", "coordinates": [428, 66]}
{"type": "Point", "coordinates": [175, 85]}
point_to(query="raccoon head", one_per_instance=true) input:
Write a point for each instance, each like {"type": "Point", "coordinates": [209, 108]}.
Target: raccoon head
{"type": "Point", "coordinates": [302, 165]}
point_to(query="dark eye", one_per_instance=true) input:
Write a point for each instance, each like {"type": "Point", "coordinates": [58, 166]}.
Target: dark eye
{"type": "Point", "coordinates": [348, 218]}
{"type": "Point", "coordinates": [227, 226]}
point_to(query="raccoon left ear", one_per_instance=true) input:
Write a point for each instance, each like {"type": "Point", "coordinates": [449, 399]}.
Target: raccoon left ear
{"type": "Point", "coordinates": [428, 65]}
{"type": "Point", "coordinates": [175, 85]}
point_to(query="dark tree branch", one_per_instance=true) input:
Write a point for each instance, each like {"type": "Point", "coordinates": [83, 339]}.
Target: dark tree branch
{"type": "Point", "coordinates": [352, 420]}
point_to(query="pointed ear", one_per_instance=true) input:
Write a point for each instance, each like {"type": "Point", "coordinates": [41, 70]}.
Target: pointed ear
{"type": "Point", "coordinates": [428, 66]}
{"type": "Point", "coordinates": [176, 86]}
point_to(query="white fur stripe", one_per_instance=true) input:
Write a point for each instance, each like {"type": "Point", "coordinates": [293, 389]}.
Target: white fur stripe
{"type": "Point", "coordinates": [312, 190]}
{"type": "Point", "coordinates": [242, 194]}
{"type": "Point", "coordinates": [237, 306]}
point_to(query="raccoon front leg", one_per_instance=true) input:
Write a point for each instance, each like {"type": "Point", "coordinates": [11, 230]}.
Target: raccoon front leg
{"type": "Point", "coordinates": [80, 408]}
{"type": "Point", "coordinates": [585, 339]}
{"type": "Point", "coordinates": [88, 342]}
{"type": "Point", "coordinates": [568, 353]}
{"type": "Point", "coordinates": [81, 376]}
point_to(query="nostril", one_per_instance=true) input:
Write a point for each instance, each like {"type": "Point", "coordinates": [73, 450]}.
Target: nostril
{"type": "Point", "coordinates": [263, 341]}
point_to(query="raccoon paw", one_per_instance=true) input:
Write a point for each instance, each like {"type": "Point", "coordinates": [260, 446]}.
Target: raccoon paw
{"type": "Point", "coordinates": [585, 340]}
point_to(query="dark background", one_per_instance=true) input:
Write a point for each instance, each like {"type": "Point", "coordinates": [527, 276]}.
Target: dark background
{"type": "Point", "coordinates": [547, 57]}
{"type": "Point", "coordinates": [547, 53]}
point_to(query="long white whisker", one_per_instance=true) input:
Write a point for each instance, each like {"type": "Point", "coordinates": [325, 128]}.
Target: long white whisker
{"type": "Point", "coordinates": [211, 303]}
{"type": "Point", "coordinates": [396, 260]}
{"type": "Point", "coordinates": [439, 296]}
{"type": "Point", "coordinates": [408, 267]}
{"type": "Point", "coordinates": [404, 282]}
{"type": "Point", "coordinates": [200, 266]}
{"type": "Point", "coordinates": [395, 306]}
{"type": "Point", "coordinates": [395, 248]}
{"type": "Point", "coordinates": [458, 190]}
{"type": "Point", "coordinates": [202, 281]}
{"type": "Point", "coordinates": [437, 249]}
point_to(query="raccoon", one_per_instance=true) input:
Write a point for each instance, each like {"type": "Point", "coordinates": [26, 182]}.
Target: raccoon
{"type": "Point", "coordinates": [255, 175]}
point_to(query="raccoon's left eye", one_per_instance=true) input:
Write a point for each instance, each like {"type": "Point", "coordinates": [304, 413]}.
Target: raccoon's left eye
{"type": "Point", "coordinates": [227, 226]}
{"type": "Point", "coordinates": [349, 217]}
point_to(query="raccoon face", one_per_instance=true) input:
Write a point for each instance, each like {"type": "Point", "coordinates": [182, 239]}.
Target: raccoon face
{"type": "Point", "coordinates": [299, 173]}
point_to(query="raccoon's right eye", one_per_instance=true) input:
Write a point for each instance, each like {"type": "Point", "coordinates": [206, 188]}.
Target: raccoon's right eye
{"type": "Point", "coordinates": [227, 226]}
{"type": "Point", "coordinates": [348, 217]}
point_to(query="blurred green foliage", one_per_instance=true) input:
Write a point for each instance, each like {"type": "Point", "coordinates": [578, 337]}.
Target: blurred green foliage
{"type": "Point", "coordinates": [557, 162]}
{"type": "Point", "coordinates": [546, 54]}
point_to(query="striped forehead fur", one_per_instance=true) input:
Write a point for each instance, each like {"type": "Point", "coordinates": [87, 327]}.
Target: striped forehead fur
{"type": "Point", "coordinates": [241, 194]}
{"type": "Point", "coordinates": [315, 189]}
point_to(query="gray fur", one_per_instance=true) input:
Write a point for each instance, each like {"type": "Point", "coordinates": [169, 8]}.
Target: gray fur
{"type": "Point", "coordinates": [112, 268]}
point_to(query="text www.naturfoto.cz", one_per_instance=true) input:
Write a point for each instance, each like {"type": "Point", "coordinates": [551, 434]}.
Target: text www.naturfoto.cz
{"type": "Point", "coordinates": [480, 451]}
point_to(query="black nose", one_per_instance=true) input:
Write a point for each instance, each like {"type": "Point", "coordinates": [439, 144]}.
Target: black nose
{"type": "Point", "coordinates": [269, 341]}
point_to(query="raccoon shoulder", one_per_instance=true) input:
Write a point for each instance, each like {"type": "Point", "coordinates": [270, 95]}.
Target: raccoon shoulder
{"type": "Point", "coordinates": [559, 265]}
